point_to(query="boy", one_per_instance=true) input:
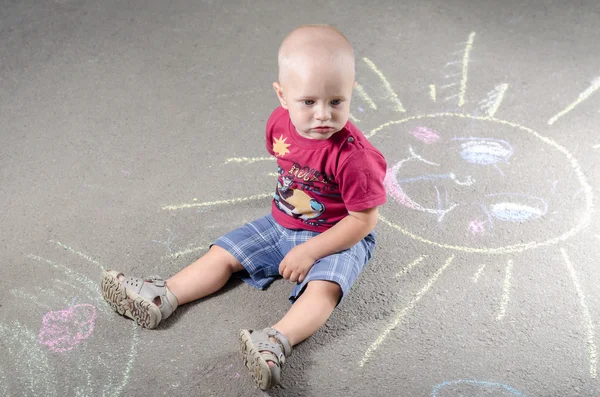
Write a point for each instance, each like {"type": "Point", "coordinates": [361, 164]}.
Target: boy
{"type": "Point", "coordinates": [320, 230]}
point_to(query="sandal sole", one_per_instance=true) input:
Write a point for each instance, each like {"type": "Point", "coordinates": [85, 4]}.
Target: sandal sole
{"type": "Point", "coordinates": [128, 303]}
{"type": "Point", "coordinates": [259, 368]}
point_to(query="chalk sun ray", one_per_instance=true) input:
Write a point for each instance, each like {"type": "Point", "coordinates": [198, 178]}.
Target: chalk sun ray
{"type": "Point", "coordinates": [392, 325]}
{"type": "Point", "coordinates": [588, 323]}
{"type": "Point", "coordinates": [391, 93]}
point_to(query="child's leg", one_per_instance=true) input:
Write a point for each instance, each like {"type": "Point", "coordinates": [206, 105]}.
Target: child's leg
{"type": "Point", "coordinates": [310, 311]}
{"type": "Point", "coordinates": [205, 276]}
{"type": "Point", "coordinates": [150, 301]}
{"type": "Point", "coordinates": [264, 352]}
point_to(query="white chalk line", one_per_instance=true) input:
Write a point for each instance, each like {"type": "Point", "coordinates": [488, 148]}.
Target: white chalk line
{"type": "Point", "coordinates": [478, 273]}
{"type": "Point", "coordinates": [505, 290]}
{"type": "Point", "coordinates": [404, 311]}
{"type": "Point", "coordinates": [81, 254]}
{"type": "Point", "coordinates": [587, 318]}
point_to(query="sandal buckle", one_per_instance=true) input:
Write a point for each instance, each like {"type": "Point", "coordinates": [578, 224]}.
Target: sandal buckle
{"type": "Point", "coordinates": [159, 282]}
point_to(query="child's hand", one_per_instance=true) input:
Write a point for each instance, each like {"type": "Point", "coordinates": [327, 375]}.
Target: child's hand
{"type": "Point", "coordinates": [296, 264]}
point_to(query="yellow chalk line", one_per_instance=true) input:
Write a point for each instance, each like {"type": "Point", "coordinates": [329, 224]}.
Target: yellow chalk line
{"type": "Point", "coordinates": [404, 311]}
{"type": "Point", "coordinates": [363, 94]}
{"type": "Point", "coordinates": [501, 90]}
{"type": "Point", "coordinates": [465, 69]}
{"type": "Point", "coordinates": [248, 160]}
{"type": "Point", "coordinates": [185, 252]}
{"type": "Point", "coordinates": [218, 202]}
{"type": "Point", "coordinates": [582, 97]}
{"type": "Point", "coordinates": [478, 274]}
{"type": "Point", "coordinates": [354, 119]}
{"type": "Point", "coordinates": [505, 290]}
{"type": "Point", "coordinates": [432, 93]}
{"type": "Point", "coordinates": [588, 324]}
{"type": "Point", "coordinates": [386, 84]}
{"type": "Point", "coordinates": [411, 265]}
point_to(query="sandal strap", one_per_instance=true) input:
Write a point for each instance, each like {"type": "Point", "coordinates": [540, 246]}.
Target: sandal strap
{"type": "Point", "coordinates": [281, 339]}
{"type": "Point", "coordinates": [152, 287]}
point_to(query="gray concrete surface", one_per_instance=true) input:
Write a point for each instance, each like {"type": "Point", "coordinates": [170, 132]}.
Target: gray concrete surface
{"type": "Point", "coordinates": [127, 133]}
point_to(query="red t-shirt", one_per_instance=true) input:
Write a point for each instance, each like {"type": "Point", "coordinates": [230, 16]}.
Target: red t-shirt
{"type": "Point", "coordinates": [321, 180]}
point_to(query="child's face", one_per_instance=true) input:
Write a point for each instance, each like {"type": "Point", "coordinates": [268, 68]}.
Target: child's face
{"type": "Point", "coordinates": [317, 97]}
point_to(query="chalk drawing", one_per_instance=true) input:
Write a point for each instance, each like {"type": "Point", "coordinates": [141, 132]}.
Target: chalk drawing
{"type": "Point", "coordinates": [582, 97]}
{"type": "Point", "coordinates": [481, 152]}
{"type": "Point", "coordinates": [32, 374]}
{"type": "Point", "coordinates": [465, 69]}
{"type": "Point", "coordinates": [80, 254]}
{"type": "Point", "coordinates": [411, 265]}
{"type": "Point", "coordinates": [217, 202]}
{"type": "Point", "coordinates": [484, 151]}
{"type": "Point", "coordinates": [391, 326]}
{"type": "Point", "coordinates": [474, 388]}
{"type": "Point", "coordinates": [248, 160]}
{"type": "Point", "coordinates": [167, 244]}
{"type": "Point", "coordinates": [477, 227]}
{"type": "Point", "coordinates": [515, 212]}
{"type": "Point", "coordinates": [478, 273]}
{"type": "Point", "coordinates": [63, 330]}
{"type": "Point", "coordinates": [362, 93]}
{"type": "Point", "coordinates": [62, 355]}
{"type": "Point", "coordinates": [588, 323]}
{"type": "Point", "coordinates": [354, 119]}
{"type": "Point", "coordinates": [391, 94]}
{"type": "Point", "coordinates": [432, 93]}
{"type": "Point", "coordinates": [596, 146]}
{"type": "Point", "coordinates": [491, 104]}
{"type": "Point", "coordinates": [505, 290]}
{"type": "Point", "coordinates": [425, 135]}
{"type": "Point", "coordinates": [394, 188]}
{"type": "Point", "coordinates": [186, 251]}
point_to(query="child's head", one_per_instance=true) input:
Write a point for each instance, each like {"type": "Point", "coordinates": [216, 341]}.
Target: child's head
{"type": "Point", "coordinates": [316, 79]}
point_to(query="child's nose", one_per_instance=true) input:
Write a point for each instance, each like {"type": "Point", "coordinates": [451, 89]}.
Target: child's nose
{"type": "Point", "coordinates": [323, 113]}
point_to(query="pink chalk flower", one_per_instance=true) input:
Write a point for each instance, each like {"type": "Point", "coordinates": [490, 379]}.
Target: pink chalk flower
{"type": "Point", "coordinates": [64, 329]}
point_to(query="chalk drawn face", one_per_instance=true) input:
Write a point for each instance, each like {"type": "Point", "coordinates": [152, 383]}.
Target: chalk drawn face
{"type": "Point", "coordinates": [477, 184]}
{"type": "Point", "coordinates": [318, 99]}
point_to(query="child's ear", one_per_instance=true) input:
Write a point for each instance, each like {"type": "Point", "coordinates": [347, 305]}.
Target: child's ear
{"type": "Point", "coordinates": [280, 95]}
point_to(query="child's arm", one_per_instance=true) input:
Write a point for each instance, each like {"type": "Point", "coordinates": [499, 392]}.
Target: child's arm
{"type": "Point", "coordinates": [341, 236]}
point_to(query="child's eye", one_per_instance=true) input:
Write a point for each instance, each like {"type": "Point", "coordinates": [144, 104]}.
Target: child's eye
{"type": "Point", "coordinates": [336, 102]}
{"type": "Point", "coordinates": [309, 102]}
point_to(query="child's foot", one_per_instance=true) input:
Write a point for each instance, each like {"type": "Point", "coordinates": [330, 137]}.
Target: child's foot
{"type": "Point", "coordinates": [148, 302]}
{"type": "Point", "coordinates": [264, 353]}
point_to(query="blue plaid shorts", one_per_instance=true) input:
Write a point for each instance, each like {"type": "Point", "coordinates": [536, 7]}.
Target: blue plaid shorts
{"type": "Point", "coordinates": [261, 245]}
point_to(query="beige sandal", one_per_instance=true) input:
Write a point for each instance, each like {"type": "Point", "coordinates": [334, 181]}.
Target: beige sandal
{"type": "Point", "coordinates": [134, 298]}
{"type": "Point", "coordinates": [258, 350]}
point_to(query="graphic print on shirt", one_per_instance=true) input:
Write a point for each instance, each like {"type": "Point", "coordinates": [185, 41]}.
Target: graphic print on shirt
{"type": "Point", "coordinates": [295, 202]}
{"type": "Point", "coordinates": [280, 148]}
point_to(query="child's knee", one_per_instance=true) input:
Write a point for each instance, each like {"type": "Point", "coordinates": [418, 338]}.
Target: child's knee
{"type": "Point", "coordinates": [223, 256]}
{"type": "Point", "coordinates": [328, 288]}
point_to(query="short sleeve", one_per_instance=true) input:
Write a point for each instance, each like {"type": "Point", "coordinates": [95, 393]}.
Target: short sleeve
{"type": "Point", "coordinates": [272, 123]}
{"type": "Point", "coordinates": [360, 179]}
